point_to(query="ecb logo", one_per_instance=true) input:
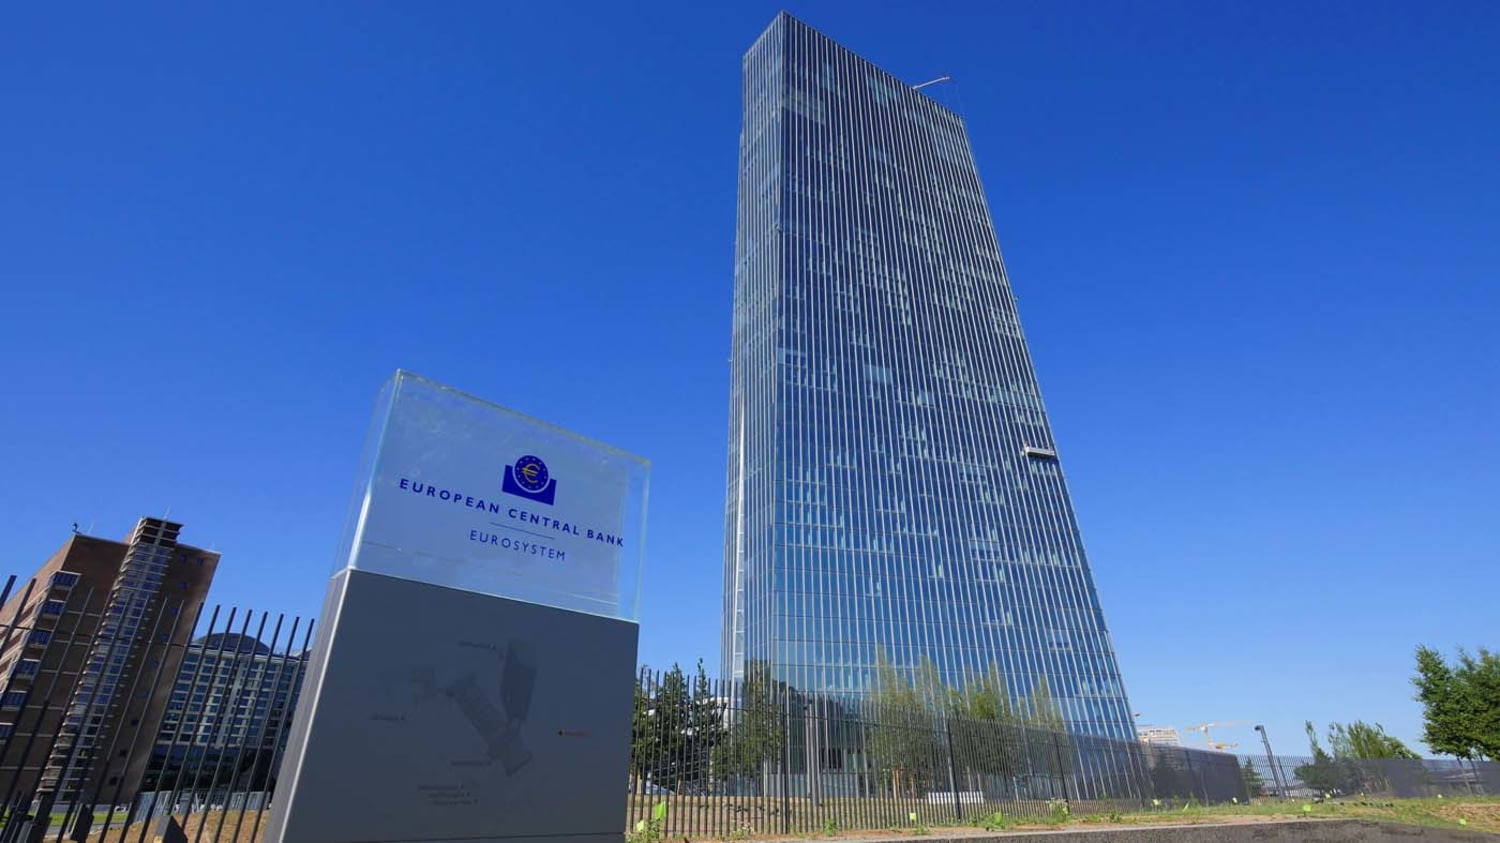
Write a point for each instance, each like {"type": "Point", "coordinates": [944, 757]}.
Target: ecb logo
{"type": "Point", "coordinates": [529, 479]}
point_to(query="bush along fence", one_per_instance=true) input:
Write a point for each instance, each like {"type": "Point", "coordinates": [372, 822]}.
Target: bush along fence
{"type": "Point", "coordinates": [713, 758]}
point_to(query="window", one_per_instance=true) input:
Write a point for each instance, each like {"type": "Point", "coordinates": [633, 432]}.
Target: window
{"type": "Point", "coordinates": [26, 667]}
{"type": "Point", "coordinates": [39, 637]}
{"type": "Point", "coordinates": [53, 608]}
{"type": "Point", "coordinates": [64, 579]}
{"type": "Point", "coordinates": [13, 699]}
{"type": "Point", "coordinates": [7, 729]}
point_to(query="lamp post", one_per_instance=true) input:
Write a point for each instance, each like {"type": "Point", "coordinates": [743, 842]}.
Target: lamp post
{"type": "Point", "coordinates": [1271, 759]}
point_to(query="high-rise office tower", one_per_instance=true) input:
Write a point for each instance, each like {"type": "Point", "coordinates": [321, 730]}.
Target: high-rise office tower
{"type": "Point", "coordinates": [894, 492]}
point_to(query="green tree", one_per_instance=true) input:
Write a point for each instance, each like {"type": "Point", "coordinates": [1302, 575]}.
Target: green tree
{"type": "Point", "coordinates": [1321, 773]}
{"type": "Point", "coordinates": [642, 733]}
{"type": "Point", "coordinates": [1348, 768]}
{"type": "Point", "coordinates": [1478, 678]}
{"type": "Point", "coordinates": [987, 697]}
{"type": "Point", "coordinates": [661, 731]}
{"type": "Point", "coordinates": [1255, 784]}
{"type": "Point", "coordinates": [903, 740]}
{"type": "Point", "coordinates": [1356, 749]}
{"type": "Point", "coordinates": [1445, 715]}
{"type": "Point", "coordinates": [1362, 740]}
{"type": "Point", "coordinates": [1050, 747]}
{"type": "Point", "coordinates": [757, 726]}
{"type": "Point", "coordinates": [983, 726]}
{"type": "Point", "coordinates": [705, 732]}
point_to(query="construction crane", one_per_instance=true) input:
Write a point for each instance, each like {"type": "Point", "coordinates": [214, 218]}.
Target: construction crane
{"type": "Point", "coordinates": [1222, 747]}
{"type": "Point", "coordinates": [1223, 724]}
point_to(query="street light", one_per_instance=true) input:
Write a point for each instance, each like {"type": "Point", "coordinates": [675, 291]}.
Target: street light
{"type": "Point", "coordinates": [1271, 759]}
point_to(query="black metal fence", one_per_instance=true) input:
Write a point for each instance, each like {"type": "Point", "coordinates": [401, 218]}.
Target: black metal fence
{"type": "Point", "coordinates": [720, 759]}
{"type": "Point", "coordinates": [1308, 778]}
{"type": "Point", "coordinates": [717, 759]}
{"type": "Point", "coordinates": [116, 724]}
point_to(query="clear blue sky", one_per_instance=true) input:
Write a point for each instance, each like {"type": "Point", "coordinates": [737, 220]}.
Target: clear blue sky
{"type": "Point", "coordinates": [1255, 247]}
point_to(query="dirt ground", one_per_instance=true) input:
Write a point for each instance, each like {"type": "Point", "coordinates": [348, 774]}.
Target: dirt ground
{"type": "Point", "coordinates": [1474, 814]}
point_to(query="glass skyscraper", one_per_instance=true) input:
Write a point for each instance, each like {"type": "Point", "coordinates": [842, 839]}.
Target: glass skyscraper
{"type": "Point", "coordinates": [894, 492]}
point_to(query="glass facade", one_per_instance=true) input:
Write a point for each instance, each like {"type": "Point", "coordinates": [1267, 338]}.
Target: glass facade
{"type": "Point", "coordinates": [894, 491]}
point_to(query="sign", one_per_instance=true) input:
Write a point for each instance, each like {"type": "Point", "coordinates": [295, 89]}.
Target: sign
{"type": "Point", "coordinates": [473, 496]}
{"type": "Point", "coordinates": [472, 676]}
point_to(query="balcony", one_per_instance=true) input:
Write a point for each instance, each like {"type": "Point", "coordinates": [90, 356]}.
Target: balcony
{"type": "Point", "coordinates": [63, 581]}
{"type": "Point", "coordinates": [51, 610]}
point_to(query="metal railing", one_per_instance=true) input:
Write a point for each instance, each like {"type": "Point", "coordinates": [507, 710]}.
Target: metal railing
{"type": "Point", "coordinates": [1307, 778]}
{"type": "Point", "coordinates": [195, 724]}
{"type": "Point", "coordinates": [95, 748]}
{"type": "Point", "coordinates": [722, 759]}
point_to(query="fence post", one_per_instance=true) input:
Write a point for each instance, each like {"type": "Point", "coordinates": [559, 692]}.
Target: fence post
{"type": "Point", "coordinates": [812, 750]}
{"type": "Point", "coordinates": [786, 763]}
{"type": "Point", "coordinates": [958, 805]}
{"type": "Point", "coordinates": [1062, 773]}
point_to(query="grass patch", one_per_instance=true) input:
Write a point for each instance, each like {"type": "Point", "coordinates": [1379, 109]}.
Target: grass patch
{"type": "Point", "coordinates": [1473, 813]}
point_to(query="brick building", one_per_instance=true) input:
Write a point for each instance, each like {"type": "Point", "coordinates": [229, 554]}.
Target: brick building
{"type": "Point", "coordinates": [88, 651]}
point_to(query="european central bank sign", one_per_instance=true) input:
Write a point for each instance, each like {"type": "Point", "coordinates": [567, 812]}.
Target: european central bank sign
{"type": "Point", "coordinates": [472, 676]}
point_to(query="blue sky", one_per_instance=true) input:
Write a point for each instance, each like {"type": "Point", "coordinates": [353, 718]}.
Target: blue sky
{"type": "Point", "coordinates": [1254, 246]}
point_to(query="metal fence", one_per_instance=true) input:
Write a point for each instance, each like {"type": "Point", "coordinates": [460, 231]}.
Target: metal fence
{"type": "Point", "coordinates": [720, 759]}
{"type": "Point", "coordinates": [728, 760]}
{"type": "Point", "coordinates": [1304, 777]}
{"type": "Point", "coordinates": [188, 729]}
{"type": "Point", "coordinates": [111, 724]}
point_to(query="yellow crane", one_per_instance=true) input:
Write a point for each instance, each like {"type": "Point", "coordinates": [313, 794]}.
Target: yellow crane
{"type": "Point", "coordinates": [1222, 724]}
{"type": "Point", "coordinates": [1222, 747]}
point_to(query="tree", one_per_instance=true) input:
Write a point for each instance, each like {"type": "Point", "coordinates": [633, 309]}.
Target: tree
{"type": "Point", "coordinates": [757, 725]}
{"type": "Point", "coordinates": [1050, 748]}
{"type": "Point", "coordinates": [1478, 677]}
{"type": "Point", "coordinates": [705, 730]}
{"type": "Point", "coordinates": [983, 726]}
{"type": "Point", "coordinates": [903, 740]}
{"type": "Point", "coordinates": [1347, 768]}
{"type": "Point", "coordinates": [1444, 724]}
{"type": "Point", "coordinates": [987, 697]}
{"type": "Point", "coordinates": [1460, 703]}
{"type": "Point", "coordinates": [1362, 740]}
{"type": "Point", "coordinates": [642, 735]}
{"type": "Point", "coordinates": [1255, 785]}
{"type": "Point", "coordinates": [676, 730]}
{"type": "Point", "coordinates": [669, 714]}
{"type": "Point", "coordinates": [1321, 773]}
